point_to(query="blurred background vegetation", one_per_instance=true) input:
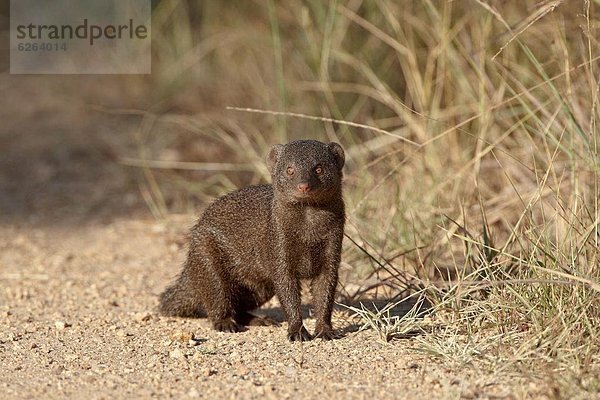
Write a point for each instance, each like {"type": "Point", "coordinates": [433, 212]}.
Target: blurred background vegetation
{"type": "Point", "coordinates": [474, 175]}
{"type": "Point", "coordinates": [488, 110]}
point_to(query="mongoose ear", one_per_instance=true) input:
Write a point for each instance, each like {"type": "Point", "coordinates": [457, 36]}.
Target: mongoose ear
{"type": "Point", "coordinates": [273, 156]}
{"type": "Point", "coordinates": [338, 153]}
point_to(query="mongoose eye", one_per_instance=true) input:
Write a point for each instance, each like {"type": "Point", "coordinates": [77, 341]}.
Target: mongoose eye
{"type": "Point", "coordinates": [290, 171]}
{"type": "Point", "coordinates": [319, 170]}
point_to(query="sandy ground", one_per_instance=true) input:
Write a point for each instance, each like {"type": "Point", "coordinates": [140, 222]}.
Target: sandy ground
{"type": "Point", "coordinates": [82, 263]}
{"type": "Point", "coordinates": [78, 320]}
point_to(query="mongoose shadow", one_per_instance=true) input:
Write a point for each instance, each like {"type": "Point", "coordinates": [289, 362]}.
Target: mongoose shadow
{"type": "Point", "coordinates": [261, 241]}
{"type": "Point", "coordinates": [349, 326]}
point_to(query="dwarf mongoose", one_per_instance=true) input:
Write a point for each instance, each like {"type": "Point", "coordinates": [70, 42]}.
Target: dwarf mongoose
{"type": "Point", "coordinates": [261, 240]}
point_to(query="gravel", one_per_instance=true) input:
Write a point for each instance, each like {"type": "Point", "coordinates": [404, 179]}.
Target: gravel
{"type": "Point", "coordinates": [78, 319]}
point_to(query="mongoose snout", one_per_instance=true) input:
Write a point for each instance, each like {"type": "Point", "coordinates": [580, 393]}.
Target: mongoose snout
{"type": "Point", "coordinates": [304, 187]}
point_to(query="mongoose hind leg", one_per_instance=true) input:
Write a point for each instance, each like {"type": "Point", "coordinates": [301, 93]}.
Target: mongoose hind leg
{"type": "Point", "coordinates": [208, 266]}
{"type": "Point", "coordinates": [251, 299]}
{"type": "Point", "coordinates": [228, 325]}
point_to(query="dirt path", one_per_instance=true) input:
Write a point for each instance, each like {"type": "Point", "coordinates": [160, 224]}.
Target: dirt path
{"type": "Point", "coordinates": [78, 320]}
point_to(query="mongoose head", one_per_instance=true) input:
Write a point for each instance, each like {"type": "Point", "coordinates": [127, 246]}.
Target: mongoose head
{"type": "Point", "coordinates": [306, 171]}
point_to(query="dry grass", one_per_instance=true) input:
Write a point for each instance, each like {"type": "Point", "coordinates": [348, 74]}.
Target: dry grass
{"type": "Point", "coordinates": [472, 142]}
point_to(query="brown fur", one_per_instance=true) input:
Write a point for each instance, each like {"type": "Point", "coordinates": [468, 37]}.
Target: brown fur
{"type": "Point", "coordinates": [260, 241]}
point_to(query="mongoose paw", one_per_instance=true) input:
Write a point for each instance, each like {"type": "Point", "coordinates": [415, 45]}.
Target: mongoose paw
{"type": "Point", "coordinates": [301, 335]}
{"type": "Point", "coordinates": [325, 334]}
{"type": "Point", "coordinates": [227, 325]}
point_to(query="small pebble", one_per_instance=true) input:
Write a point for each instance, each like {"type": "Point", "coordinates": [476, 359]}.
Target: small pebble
{"type": "Point", "coordinates": [61, 325]}
{"type": "Point", "coordinates": [182, 336]}
{"type": "Point", "coordinates": [177, 354]}
{"type": "Point", "coordinates": [143, 317]}
{"type": "Point", "coordinates": [242, 370]}
{"type": "Point", "coordinates": [197, 357]}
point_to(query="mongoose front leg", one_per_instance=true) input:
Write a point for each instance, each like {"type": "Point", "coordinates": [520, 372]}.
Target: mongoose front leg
{"type": "Point", "coordinates": [323, 287]}
{"type": "Point", "coordinates": [288, 292]}
{"type": "Point", "coordinates": [287, 286]}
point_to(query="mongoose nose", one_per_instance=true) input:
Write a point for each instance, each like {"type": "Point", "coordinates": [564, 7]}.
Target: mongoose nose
{"type": "Point", "coordinates": [304, 187]}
